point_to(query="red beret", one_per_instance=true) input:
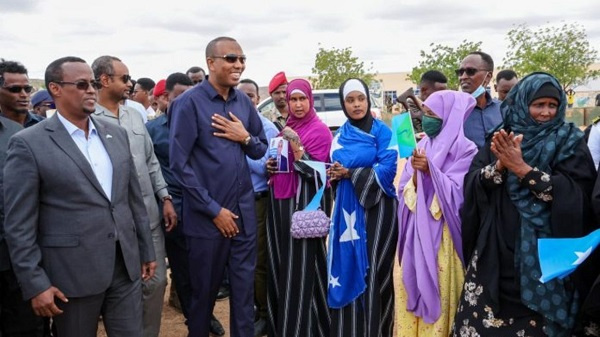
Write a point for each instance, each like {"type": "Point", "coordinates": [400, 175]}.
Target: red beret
{"type": "Point", "coordinates": [278, 79]}
{"type": "Point", "coordinates": [160, 88]}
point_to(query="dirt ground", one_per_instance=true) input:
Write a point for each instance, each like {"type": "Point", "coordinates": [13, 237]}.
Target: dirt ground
{"type": "Point", "coordinates": [172, 324]}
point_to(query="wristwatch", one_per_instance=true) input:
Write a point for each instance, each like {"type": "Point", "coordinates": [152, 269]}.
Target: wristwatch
{"type": "Point", "coordinates": [247, 140]}
{"type": "Point", "coordinates": [167, 197]}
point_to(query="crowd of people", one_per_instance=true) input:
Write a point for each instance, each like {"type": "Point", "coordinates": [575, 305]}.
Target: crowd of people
{"type": "Point", "coordinates": [105, 179]}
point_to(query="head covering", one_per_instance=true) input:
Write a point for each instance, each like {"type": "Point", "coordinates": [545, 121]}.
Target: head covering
{"type": "Point", "coordinates": [160, 88]}
{"type": "Point", "coordinates": [298, 91]}
{"type": "Point", "coordinates": [546, 90]}
{"type": "Point", "coordinates": [277, 80]}
{"type": "Point", "coordinates": [449, 156]}
{"type": "Point", "coordinates": [314, 135]}
{"type": "Point", "coordinates": [544, 145]}
{"type": "Point", "coordinates": [349, 86]}
{"type": "Point", "coordinates": [39, 97]}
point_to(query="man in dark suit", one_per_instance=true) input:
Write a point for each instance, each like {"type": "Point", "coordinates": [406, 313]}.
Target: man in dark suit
{"type": "Point", "coordinates": [16, 316]}
{"type": "Point", "coordinates": [76, 226]}
{"type": "Point", "coordinates": [213, 127]}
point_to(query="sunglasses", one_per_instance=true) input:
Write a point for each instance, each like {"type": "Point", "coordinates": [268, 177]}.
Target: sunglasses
{"type": "Point", "coordinates": [15, 89]}
{"type": "Point", "coordinates": [232, 58]}
{"type": "Point", "coordinates": [83, 85]}
{"type": "Point", "coordinates": [48, 105]}
{"type": "Point", "coordinates": [469, 71]}
{"type": "Point", "coordinates": [125, 78]}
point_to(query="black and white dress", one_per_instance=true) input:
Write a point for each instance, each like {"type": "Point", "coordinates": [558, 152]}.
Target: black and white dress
{"type": "Point", "coordinates": [297, 275]}
{"type": "Point", "coordinates": [372, 313]}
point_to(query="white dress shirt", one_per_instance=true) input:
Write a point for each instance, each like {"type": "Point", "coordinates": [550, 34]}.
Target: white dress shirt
{"type": "Point", "coordinates": [93, 150]}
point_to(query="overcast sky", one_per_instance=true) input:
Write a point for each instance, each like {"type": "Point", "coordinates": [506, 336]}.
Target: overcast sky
{"type": "Point", "coordinates": [156, 38]}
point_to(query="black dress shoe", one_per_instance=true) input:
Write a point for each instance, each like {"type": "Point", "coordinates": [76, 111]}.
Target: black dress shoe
{"type": "Point", "coordinates": [216, 329]}
{"type": "Point", "coordinates": [223, 293]}
{"type": "Point", "coordinates": [260, 328]}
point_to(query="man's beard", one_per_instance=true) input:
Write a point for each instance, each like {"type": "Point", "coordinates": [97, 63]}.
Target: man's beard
{"type": "Point", "coordinates": [89, 111]}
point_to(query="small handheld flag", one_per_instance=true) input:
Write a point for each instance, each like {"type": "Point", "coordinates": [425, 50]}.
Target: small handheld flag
{"type": "Point", "coordinates": [403, 135]}
{"type": "Point", "coordinates": [560, 257]}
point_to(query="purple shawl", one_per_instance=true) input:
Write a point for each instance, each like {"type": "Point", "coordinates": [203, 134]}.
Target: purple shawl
{"type": "Point", "coordinates": [449, 155]}
{"type": "Point", "coordinates": [314, 135]}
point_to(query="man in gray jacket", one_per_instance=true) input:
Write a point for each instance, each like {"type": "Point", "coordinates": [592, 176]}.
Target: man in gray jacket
{"type": "Point", "coordinates": [114, 79]}
{"type": "Point", "coordinates": [76, 226]}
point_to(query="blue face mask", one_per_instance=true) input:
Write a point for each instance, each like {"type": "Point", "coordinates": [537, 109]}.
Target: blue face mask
{"type": "Point", "coordinates": [431, 126]}
{"type": "Point", "coordinates": [478, 92]}
{"type": "Point", "coordinates": [480, 89]}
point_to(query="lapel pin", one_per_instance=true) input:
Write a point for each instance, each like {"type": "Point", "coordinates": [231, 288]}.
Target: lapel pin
{"type": "Point", "coordinates": [108, 136]}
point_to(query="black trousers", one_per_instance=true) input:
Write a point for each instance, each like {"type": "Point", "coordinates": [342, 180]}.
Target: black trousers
{"type": "Point", "coordinates": [16, 315]}
{"type": "Point", "coordinates": [177, 253]}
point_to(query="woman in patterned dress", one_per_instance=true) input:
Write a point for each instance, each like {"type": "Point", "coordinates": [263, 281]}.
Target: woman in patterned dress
{"type": "Point", "coordinates": [533, 179]}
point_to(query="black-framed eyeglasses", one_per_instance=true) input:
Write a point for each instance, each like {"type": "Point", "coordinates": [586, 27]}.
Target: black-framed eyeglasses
{"type": "Point", "coordinates": [82, 85]}
{"type": "Point", "coordinates": [15, 89]}
{"type": "Point", "coordinates": [469, 71]}
{"type": "Point", "coordinates": [125, 78]}
{"type": "Point", "coordinates": [232, 58]}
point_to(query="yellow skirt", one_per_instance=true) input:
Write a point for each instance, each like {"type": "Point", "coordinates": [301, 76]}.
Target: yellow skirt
{"type": "Point", "coordinates": [451, 278]}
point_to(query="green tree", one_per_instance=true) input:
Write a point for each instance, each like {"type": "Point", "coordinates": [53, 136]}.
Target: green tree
{"type": "Point", "coordinates": [445, 59]}
{"type": "Point", "coordinates": [334, 66]}
{"type": "Point", "coordinates": [561, 51]}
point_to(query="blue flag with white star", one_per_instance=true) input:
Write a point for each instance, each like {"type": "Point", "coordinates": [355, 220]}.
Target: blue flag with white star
{"type": "Point", "coordinates": [347, 247]}
{"type": "Point", "coordinates": [347, 257]}
{"type": "Point", "coordinates": [560, 257]}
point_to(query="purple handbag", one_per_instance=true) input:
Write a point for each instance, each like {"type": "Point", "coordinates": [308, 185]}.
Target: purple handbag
{"type": "Point", "coordinates": [310, 224]}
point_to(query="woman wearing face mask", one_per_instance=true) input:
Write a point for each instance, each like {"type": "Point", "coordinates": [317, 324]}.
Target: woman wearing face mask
{"type": "Point", "coordinates": [297, 284]}
{"type": "Point", "coordinates": [363, 238]}
{"type": "Point", "coordinates": [532, 179]}
{"type": "Point", "coordinates": [430, 195]}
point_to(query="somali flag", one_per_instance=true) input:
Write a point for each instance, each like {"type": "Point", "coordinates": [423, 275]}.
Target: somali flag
{"type": "Point", "coordinates": [403, 135]}
{"type": "Point", "coordinates": [347, 246]}
{"type": "Point", "coordinates": [560, 257]}
{"type": "Point", "coordinates": [347, 260]}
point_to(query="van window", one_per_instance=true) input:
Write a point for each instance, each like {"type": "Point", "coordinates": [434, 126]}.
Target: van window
{"type": "Point", "coordinates": [332, 102]}
{"type": "Point", "coordinates": [318, 99]}
{"type": "Point", "coordinates": [267, 107]}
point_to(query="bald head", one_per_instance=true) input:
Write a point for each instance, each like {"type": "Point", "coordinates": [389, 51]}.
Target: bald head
{"type": "Point", "coordinates": [211, 48]}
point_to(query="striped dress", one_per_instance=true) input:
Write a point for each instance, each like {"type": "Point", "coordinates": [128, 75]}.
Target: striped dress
{"type": "Point", "coordinates": [297, 281]}
{"type": "Point", "coordinates": [372, 313]}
